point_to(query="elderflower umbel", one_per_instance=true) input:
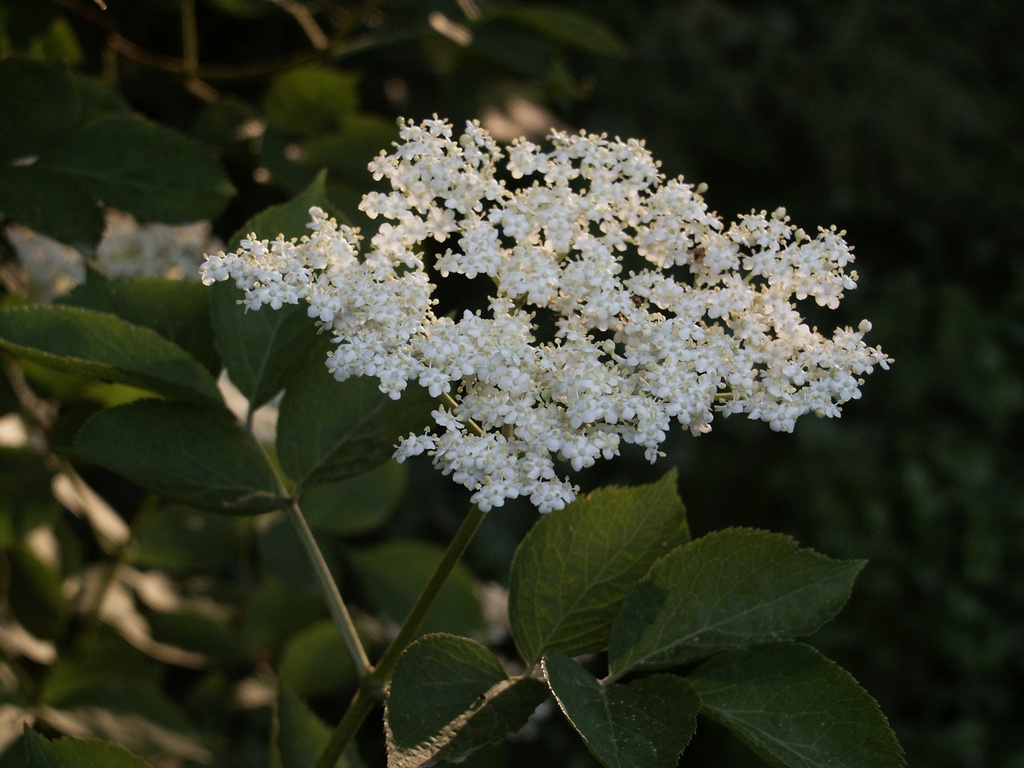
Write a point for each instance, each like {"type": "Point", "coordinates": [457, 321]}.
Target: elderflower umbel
{"type": "Point", "coordinates": [704, 322]}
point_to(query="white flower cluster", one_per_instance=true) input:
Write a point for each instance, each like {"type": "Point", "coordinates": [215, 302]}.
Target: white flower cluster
{"type": "Point", "coordinates": [704, 322]}
{"type": "Point", "coordinates": [127, 249]}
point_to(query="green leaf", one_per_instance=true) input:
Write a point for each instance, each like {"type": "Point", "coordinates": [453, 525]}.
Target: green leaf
{"type": "Point", "coordinates": [120, 705]}
{"type": "Point", "coordinates": [573, 570]}
{"type": "Point", "coordinates": [179, 310]}
{"type": "Point", "coordinates": [262, 350]}
{"type": "Point", "coordinates": [795, 708]}
{"type": "Point", "coordinates": [31, 196]}
{"type": "Point", "coordinates": [77, 753]}
{"type": "Point", "coordinates": [184, 540]}
{"type": "Point", "coordinates": [197, 455]}
{"type": "Point", "coordinates": [357, 505]}
{"type": "Point", "coordinates": [275, 610]}
{"type": "Point", "coordinates": [298, 735]}
{"type": "Point", "coordinates": [349, 150]}
{"type": "Point", "coordinates": [39, 106]}
{"type": "Point", "coordinates": [567, 27]}
{"type": "Point", "coordinates": [393, 574]}
{"type": "Point", "coordinates": [315, 661]}
{"type": "Point", "coordinates": [150, 171]}
{"type": "Point", "coordinates": [645, 724]}
{"type": "Point", "coordinates": [34, 594]}
{"type": "Point", "coordinates": [309, 100]}
{"type": "Point", "coordinates": [727, 590]}
{"type": "Point", "coordinates": [329, 430]}
{"type": "Point", "coordinates": [449, 696]}
{"type": "Point", "coordinates": [104, 346]}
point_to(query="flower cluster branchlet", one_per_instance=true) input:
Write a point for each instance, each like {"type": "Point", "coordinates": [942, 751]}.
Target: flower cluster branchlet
{"type": "Point", "coordinates": [704, 322]}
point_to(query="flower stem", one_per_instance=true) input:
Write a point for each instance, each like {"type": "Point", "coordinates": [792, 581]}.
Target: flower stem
{"type": "Point", "coordinates": [335, 603]}
{"type": "Point", "coordinates": [372, 689]}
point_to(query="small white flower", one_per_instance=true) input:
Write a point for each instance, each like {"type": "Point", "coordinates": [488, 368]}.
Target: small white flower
{"type": "Point", "coordinates": [574, 357]}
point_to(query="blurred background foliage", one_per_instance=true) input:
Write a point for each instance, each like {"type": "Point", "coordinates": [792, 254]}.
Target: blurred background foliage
{"type": "Point", "coordinates": [900, 122]}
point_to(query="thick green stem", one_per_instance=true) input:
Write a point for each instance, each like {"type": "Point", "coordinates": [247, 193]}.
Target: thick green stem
{"type": "Point", "coordinates": [335, 603]}
{"type": "Point", "coordinates": [372, 689]}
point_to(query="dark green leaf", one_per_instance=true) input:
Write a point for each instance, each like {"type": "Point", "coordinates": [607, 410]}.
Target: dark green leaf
{"type": "Point", "coordinates": [310, 100]}
{"type": "Point", "coordinates": [329, 430]}
{"type": "Point", "coordinates": [727, 590]}
{"type": "Point", "coordinates": [104, 346]}
{"type": "Point", "coordinates": [179, 310]}
{"type": "Point", "coordinates": [197, 455]}
{"type": "Point", "coordinates": [120, 706]}
{"type": "Point", "coordinates": [33, 196]}
{"type": "Point", "coordinates": [357, 505]}
{"type": "Point", "coordinates": [393, 574]}
{"type": "Point", "coordinates": [567, 27]}
{"type": "Point", "coordinates": [572, 571]}
{"type": "Point", "coordinates": [276, 610]}
{"type": "Point", "coordinates": [450, 696]}
{"type": "Point", "coordinates": [262, 350]}
{"type": "Point", "coordinates": [287, 219]}
{"type": "Point", "coordinates": [349, 150]}
{"type": "Point", "coordinates": [315, 661]}
{"type": "Point", "coordinates": [182, 539]}
{"type": "Point", "coordinates": [298, 735]}
{"type": "Point", "coordinates": [77, 753]}
{"type": "Point", "coordinates": [796, 709]}
{"type": "Point", "coordinates": [34, 594]}
{"type": "Point", "coordinates": [645, 724]}
{"type": "Point", "coordinates": [39, 106]}
{"type": "Point", "coordinates": [143, 168]}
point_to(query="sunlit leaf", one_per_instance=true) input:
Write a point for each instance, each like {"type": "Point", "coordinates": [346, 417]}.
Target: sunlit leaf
{"type": "Point", "coordinates": [572, 571]}
{"type": "Point", "coordinates": [101, 345]}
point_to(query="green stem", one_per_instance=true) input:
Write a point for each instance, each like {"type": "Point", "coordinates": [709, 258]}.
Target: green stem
{"type": "Point", "coordinates": [372, 689]}
{"type": "Point", "coordinates": [335, 603]}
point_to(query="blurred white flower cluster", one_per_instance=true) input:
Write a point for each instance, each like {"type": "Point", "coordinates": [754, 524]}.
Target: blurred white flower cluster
{"type": "Point", "coordinates": [127, 249]}
{"type": "Point", "coordinates": [577, 353]}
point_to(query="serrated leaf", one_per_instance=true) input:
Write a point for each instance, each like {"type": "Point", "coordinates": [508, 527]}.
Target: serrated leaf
{"type": "Point", "coordinates": [573, 570]}
{"type": "Point", "coordinates": [39, 105]}
{"type": "Point", "coordinates": [727, 590]}
{"type": "Point", "coordinates": [179, 310]}
{"type": "Point", "coordinates": [197, 455]}
{"type": "Point", "coordinates": [796, 709]}
{"type": "Point", "coordinates": [393, 574]}
{"type": "Point", "coordinates": [298, 736]}
{"type": "Point", "coordinates": [567, 27]}
{"type": "Point", "coordinates": [76, 753]}
{"type": "Point", "coordinates": [330, 430]}
{"type": "Point", "coordinates": [356, 505]}
{"type": "Point", "coordinates": [646, 724]}
{"type": "Point", "coordinates": [450, 696]}
{"type": "Point", "coordinates": [104, 346]}
{"type": "Point", "coordinates": [150, 171]}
